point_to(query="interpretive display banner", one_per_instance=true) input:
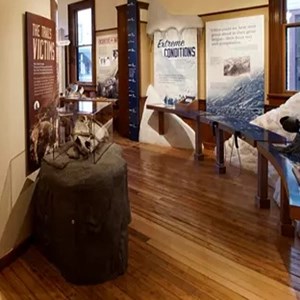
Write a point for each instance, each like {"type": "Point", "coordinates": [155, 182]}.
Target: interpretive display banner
{"type": "Point", "coordinates": [175, 63]}
{"type": "Point", "coordinates": [41, 87]}
{"type": "Point", "coordinates": [107, 65]}
{"type": "Point", "coordinates": [235, 67]}
{"type": "Point", "coordinates": [133, 69]}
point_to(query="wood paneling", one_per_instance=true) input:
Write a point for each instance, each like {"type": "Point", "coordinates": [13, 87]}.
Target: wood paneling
{"type": "Point", "coordinates": [206, 131]}
{"type": "Point", "coordinates": [142, 104]}
{"type": "Point", "coordinates": [276, 43]}
{"type": "Point", "coordinates": [143, 5]}
{"type": "Point", "coordinates": [232, 10]}
{"type": "Point", "coordinates": [277, 90]}
{"type": "Point", "coordinates": [194, 235]}
{"type": "Point", "coordinates": [276, 100]}
{"type": "Point", "coordinates": [269, 107]}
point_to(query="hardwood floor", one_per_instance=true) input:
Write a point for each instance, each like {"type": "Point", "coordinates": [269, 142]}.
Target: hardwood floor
{"type": "Point", "coordinates": [194, 235]}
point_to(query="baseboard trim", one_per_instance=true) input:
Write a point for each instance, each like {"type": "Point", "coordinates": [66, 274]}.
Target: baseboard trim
{"type": "Point", "coordinates": [15, 253]}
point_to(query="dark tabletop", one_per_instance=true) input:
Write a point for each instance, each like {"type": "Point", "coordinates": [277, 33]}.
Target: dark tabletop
{"type": "Point", "coordinates": [245, 130]}
{"type": "Point", "coordinates": [182, 112]}
{"type": "Point", "coordinates": [284, 166]}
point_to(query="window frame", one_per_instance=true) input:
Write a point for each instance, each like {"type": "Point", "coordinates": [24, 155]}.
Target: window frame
{"type": "Point", "coordinates": [73, 67]}
{"type": "Point", "coordinates": [286, 26]}
{"type": "Point", "coordinates": [278, 93]}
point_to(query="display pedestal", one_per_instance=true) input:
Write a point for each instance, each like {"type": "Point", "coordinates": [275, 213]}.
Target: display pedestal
{"type": "Point", "coordinates": [81, 215]}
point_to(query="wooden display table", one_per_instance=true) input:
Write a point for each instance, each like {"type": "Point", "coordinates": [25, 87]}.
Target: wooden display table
{"type": "Point", "coordinates": [257, 137]}
{"type": "Point", "coordinates": [188, 114]}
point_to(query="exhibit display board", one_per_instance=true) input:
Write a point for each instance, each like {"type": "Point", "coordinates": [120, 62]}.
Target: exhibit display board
{"type": "Point", "coordinates": [175, 63]}
{"type": "Point", "coordinates": [107, 65]}
{"type": "Point", "coordinates": [133, 69]}
{"type": "Point", "coordinates": [41, 87]}
{"type": "Point", "coordinates": [235, 67]}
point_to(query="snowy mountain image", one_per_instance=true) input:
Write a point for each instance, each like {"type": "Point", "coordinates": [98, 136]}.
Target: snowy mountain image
{"type": "Point", "coordinates": [244, 99]}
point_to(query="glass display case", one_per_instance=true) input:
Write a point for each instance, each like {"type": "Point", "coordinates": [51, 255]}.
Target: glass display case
{"type": "Point", "coordinates": [88, 122]}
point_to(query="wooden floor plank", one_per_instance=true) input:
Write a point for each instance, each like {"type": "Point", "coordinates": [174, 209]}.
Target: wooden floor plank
{"type": "Point", "coordinates": [211, 264]}
{"type": "Point", "coordinates": [31, 281]}
{"type": "Point", "coordinates": [47, 271]}
{"type": "Point", "coordinates": [194, 235]}
{"type": "Point", "coordinates": [178, 276]}
{"type": "Point", "coordinates": [19, 289]}
{"type": "Point", "coordinates": [7, 290]}
{"type": "Point", "coordinates": [270, 258]}
{"type": "Point", "coordinates": [249, 242]}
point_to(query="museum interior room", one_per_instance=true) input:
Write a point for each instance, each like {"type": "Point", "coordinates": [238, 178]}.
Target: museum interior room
{"type": "Point", "coordinates": [150, 149]}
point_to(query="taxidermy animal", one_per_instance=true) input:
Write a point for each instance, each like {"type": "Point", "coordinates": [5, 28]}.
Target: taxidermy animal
{"type": "Point", "coordinates": [88, 134]}
{"type": "Point", "coordinates": [43, 137]}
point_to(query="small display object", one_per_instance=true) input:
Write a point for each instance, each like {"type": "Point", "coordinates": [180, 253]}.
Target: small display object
{"type": "Point", "coordinates": [84, 121]}
{"type": "Point", "coordinates": [186, 103]}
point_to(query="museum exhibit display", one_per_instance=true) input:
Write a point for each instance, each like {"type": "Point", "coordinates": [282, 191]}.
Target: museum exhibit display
{"type": "Point", "coordinates": [81, 215]}
{"type": "Point", "coordinates": [85, 120]}
{"type": "Point", "coordinates": [107, 65]}
{"type": "Point", "coordinates": [133, 69]}
{"type": "Point", "coordinates": [81, 209]}
{"type": "Point", "coordinates": [271, 121]}
{"type": "Point", "coordinates": [235, 68]}
{"type": "Point", "coordinates": [42, 94]}
{"type": "Point", "coordinates": [143, 146]}
{"type": "Point", "coordinates": [177, 133]}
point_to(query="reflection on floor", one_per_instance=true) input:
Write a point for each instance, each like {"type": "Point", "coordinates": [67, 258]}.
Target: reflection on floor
{"type": "Point", "coordinates": [194, 235]}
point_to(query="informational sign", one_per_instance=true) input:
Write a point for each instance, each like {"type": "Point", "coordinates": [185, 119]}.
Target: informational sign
{"type": "Point", "coordinates": [41, 87]}
{"type": "Point", "coordinates": [133, 69]}
{"type": "Point", "coordinates": [235, 67]}
{"type": "Point", "coordinates": [107, 65]}
{"type": "Point", "coordinates": [175, 63]}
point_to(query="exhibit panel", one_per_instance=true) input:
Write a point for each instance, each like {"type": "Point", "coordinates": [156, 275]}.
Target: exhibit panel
{"type": "Point", "coordinates": [176, 62]}
{"type": "Point", "coordinates": [107, 65]}
{"type": "Point", "coordinates": [42, 94]}
{"type": "Point", "coordinates": [174, 59]}
{"type": "Point", "coordinates": [235, 67]}
{"type": "Point", "coordinates": [15, 188]}
{"type": "Point", "coordinates": [133, 19]}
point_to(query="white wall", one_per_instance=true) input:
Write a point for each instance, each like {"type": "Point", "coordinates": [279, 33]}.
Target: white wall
{"type": "Point", "coordinates": [14, 224]}
{"type": "Point", "coordinates": [63, 13]}
{"type": "Point", "coordinates": [197, 7]}
{"type": "Point", "coordinates": [106, 13]}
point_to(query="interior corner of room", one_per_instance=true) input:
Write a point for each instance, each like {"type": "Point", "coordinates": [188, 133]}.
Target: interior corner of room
{"type": "Point", "coordinates": [196, 89]}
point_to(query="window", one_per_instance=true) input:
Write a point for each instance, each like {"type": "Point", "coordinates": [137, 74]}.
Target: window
{"type": "Point", "coordinates": [82, 46]}
{"type": "Point", "coordinates": [284, 42]}
{"type": "Point", "coordinates": [292, 44]}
